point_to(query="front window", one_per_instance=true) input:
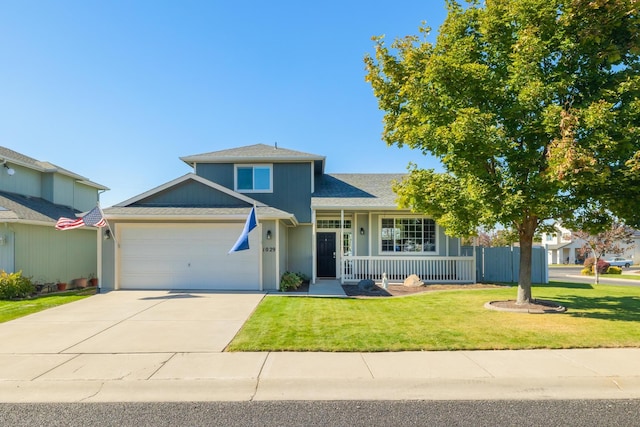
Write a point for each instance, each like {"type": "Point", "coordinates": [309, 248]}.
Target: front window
{"type": "Point", "coordinates": [408, 235]}
{"type": "Point", "coordinates": [256, 179]}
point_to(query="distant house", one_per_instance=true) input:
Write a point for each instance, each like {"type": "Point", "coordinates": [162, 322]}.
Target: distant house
{"type": "Point", "coordinates": [562, 247]}
{"type": "Point", "coordinates": [33, 195]}
{"type": "Point", "coordinates": [339, 226]}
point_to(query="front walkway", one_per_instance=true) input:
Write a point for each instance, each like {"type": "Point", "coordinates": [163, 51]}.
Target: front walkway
{"type": "Point", "coordinates": [326, 288]}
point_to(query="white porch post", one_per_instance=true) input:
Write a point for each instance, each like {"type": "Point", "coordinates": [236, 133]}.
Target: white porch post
{"type": "Point", "coordinates": [314, 255]}
{"type": "Point", "coordinates": [340, 243]}
{"type": "Point", "coordinates": [369, 236]}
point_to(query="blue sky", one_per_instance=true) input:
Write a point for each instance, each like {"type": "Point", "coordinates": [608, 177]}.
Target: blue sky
{"type": "Point", "coordinates": [118, 90]}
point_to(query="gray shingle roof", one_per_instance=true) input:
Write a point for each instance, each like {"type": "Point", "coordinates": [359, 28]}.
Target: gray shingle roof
{"type": "Point", "coordinates": [15, 207]}
{"type": "Point", "coordinates": [255, 153]}
{"type": "Point", "coordinates": [355, 191]}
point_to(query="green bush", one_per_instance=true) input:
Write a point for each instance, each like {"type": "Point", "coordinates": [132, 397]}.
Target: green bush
{"type": "Point", "coordinates": [290, 281]}
{"type": "Point", "coordinates": [15, 285]}
{"type": "Point", "coordinates": [614, 270]}
{"type": "Point", "coordinates": [587, 271]}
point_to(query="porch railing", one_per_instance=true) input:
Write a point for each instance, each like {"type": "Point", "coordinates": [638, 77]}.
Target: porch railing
{"type": "Point", "coordinates": [460, 269]}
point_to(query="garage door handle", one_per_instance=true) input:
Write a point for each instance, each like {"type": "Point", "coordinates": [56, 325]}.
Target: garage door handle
{"type": "Point", "coordinates": [334, 255]}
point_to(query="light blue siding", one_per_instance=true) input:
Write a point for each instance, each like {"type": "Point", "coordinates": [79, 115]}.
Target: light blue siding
{"type": "Point", "coordinates": [300, 250]}
{"type": "Point", "coordinates": [269, 256]}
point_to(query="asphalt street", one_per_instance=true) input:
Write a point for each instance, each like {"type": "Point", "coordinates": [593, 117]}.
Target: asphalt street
{"type": "Point", "coordinates": [572, 274]}
{"type": "Point", "coordinates": [584, 413]}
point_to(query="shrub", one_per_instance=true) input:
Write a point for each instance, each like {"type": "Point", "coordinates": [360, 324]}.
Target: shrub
{"type": "Point", "coordinates": [588, 263]}
{"type": "Point", "coordinates": [603, 266]}
{"type": "Point", "coordinates": [290, 281]}
{"type": "Point", "coordinates": [614, 270]}
{"type": "Point", "coordinates": [587, 271]}
{"type": "Point", "coordinates": [15, 285]}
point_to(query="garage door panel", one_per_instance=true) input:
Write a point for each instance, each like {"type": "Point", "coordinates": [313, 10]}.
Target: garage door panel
{"type": "Point", "coordinates": [187, 256]}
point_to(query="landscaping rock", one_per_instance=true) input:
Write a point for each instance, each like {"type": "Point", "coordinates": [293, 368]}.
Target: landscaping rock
{"type": "Point", "coordinates": [366, 284]}
{"type": "Point", "coordinates": [413, 281]}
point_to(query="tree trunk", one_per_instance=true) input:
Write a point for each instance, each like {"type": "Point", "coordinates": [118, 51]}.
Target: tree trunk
{"type": "Point", "coordinates": [526, 231]}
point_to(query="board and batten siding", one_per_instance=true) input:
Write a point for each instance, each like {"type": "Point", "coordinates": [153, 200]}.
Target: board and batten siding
{"type": "Point", "coordinates": [7, 252]}
{"type": "Point", "coordinates": [48, 255]}
{"type": "Point", "coordinates": [291, 186]}
{"type": "Point", "coordinates": [220, 173]}
{"type": "Point", "coordinates": [25, 181]}
{"type": "Point", "coordinates": [191, 193]}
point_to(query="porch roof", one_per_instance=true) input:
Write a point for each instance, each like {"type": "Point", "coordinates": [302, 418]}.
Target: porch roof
{"type": "Point", "coordinates": [19, 208]}
{"type": "Point", "coordinates": [197, 213]}
{"type": "Point", "coordinates": [355, 191]}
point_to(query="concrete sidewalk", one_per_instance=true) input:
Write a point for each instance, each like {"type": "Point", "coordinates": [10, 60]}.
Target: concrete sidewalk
{"type": "Point", "coordinates": [159, 346]}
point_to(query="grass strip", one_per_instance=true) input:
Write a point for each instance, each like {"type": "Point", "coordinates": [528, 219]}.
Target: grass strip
{"type": "Point", "coordinates": [10, 310]}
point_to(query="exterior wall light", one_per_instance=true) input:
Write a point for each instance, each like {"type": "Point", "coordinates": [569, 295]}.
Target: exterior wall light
{"type": "Point", "coordinates": [10, 171]}
{"type": "Point", "coordinates": [268, 234]}
{"type": "Point", "coordinates": [362, 231]}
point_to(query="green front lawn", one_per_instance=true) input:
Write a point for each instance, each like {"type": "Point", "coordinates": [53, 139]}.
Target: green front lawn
{"type": "Point", "coordinates": [622, 276]}
{"type": "Point", "coordinates": [597, 316]}
{"type": "Point", "coordinates": [10, 310]}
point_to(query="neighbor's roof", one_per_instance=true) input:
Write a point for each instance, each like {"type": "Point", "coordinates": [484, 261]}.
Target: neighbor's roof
{"type": "Point", "coordinates": [353, 191]}
{"type": "Point", "coordinates": [255, 153]}
{"type": "Point", "coordinates": [18, 208]}
{"type": "Point", "coordinates": [14, 157]}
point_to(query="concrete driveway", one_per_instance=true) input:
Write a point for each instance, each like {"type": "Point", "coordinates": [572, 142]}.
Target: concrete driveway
{"type": "Point", "coordinates": [132, 322]}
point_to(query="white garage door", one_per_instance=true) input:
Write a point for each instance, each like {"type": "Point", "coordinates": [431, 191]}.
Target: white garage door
{"type": "Point", "coordinates": [187, 256]}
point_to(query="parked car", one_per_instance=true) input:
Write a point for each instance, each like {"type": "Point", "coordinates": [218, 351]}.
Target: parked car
{"type": "Point", "coordinates": [620, 262]}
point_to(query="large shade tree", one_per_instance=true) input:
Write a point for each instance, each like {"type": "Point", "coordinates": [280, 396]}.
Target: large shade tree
{"type": "Point", "coordinates": [532, 107]}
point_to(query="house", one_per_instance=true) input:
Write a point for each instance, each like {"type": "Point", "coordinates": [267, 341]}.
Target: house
{"type": "Point", "coordinates": [562, 247]}
{"type": "Point", "coordinates": [344, 226]}
{"type": "Point", "coordinates": [33, 195]}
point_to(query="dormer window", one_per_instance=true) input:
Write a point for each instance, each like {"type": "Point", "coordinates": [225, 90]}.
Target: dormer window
{"type": "Point", "coordinates": [254, 178]}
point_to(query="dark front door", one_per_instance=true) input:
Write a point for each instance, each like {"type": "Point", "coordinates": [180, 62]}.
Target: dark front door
{"type": "Point", "coordinates": [326, 254]}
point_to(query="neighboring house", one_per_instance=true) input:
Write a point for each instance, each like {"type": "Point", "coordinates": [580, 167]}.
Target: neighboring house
{"type": "Point", "coordinates": [563, 248]}
{"type": "Point", "coordinates": [33, 195]}
{"type": "Point", "coordinates": [345, 226]}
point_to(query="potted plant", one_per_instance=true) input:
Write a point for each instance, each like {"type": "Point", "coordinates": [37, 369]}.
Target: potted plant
{"type": "Point", "coordinates": [93, 280]}
{"type": "Point", "coordinates": [61, 286]}
{"type": "Point", "coordinates": [80, 282]}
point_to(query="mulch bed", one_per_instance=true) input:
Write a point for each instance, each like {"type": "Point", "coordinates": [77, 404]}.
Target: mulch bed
{"type": "Point", "coordinates": [401, 290]}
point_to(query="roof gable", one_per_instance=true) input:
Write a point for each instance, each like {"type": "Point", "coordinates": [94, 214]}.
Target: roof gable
{"type": "Point", "coordinates": [183, 192]}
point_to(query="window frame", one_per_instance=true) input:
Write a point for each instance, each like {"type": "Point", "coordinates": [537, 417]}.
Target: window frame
{"type": "Point", "coordinates": [253, 167]}
{"type": "Point", "coordinates": [382, 252]}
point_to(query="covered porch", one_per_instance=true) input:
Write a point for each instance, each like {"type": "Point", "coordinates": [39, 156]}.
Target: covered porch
{"type": "Point", "coordinates": [432, 269]}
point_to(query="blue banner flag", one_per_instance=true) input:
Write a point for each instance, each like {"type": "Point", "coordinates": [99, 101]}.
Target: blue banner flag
{"type": "Point", "coordinates": [243, 241]}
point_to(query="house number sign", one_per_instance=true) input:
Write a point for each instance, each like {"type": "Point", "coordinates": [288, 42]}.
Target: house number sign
{"type": "Point", "coordinates": [269, 249]}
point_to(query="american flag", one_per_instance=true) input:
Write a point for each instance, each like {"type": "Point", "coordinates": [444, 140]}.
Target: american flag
{"type": "Point", "coordinates": [93, 218]}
